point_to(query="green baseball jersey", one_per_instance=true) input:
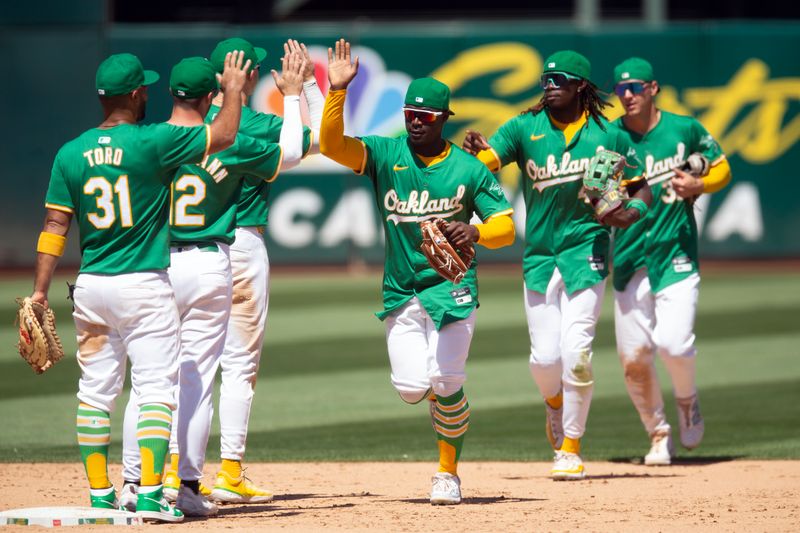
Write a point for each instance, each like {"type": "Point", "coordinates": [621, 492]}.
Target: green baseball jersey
{"type": "Point", "coordinates": [665, 241]}
{"type": "Point", "coordinates": [407, 192]}
{"type": "Point", "coordinates": [252, 208]}
{"type": "Point", "coordinates": [116, 182]}
{"type": "Point", "coordinates": [205, 196]}
{"type": "Point", "coordinates": [560, 228]}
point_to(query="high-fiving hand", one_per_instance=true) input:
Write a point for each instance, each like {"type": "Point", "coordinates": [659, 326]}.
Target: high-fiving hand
{"type": "Point", "coordinates": [296, 47]}
{"type": "Point", "coordinates": [290, 81]}
{"type": "Point", "coordinates": [235, 74]}
{"type": "Point", "coordinates": [341, 70]}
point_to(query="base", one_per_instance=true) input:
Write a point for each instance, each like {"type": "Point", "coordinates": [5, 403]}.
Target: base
{"type": "Point", "coordinates": [68, 516]}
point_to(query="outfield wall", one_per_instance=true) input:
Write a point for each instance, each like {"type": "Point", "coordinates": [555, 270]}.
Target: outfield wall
{"type": "Point", "coordinates": [741, 80]}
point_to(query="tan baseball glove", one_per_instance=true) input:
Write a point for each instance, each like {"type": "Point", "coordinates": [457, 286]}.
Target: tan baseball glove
{"type": "Point", "coordinates": [38, 341]}
{"type": "Point", "coordinates": [450, 261]}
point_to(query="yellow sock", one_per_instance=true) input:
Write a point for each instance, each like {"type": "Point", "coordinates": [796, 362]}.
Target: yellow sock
{"type": "Point", "coordinates": [556, 401]}
{"type": "Point", "coordinates": [447, 458]}
{"type": "Point", "coordinates": [173, 461]}
{"type": "Point", "coordinates": [571, 445]}
{"type": "Point", "coordinates": [97, 471]}
{"type": "Point", "coordinates": [231, 467]}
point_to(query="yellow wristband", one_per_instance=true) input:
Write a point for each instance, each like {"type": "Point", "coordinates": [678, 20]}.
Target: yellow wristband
{"type": "Point", "coordinates": [51, 244]}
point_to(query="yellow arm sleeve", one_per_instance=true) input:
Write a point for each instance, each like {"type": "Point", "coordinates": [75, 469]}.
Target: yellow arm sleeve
{"type": "Point", "coordinates": [497, 232]}
{"type": "Point", "coordinates": [718, 177]}
{"type": "Point", "coordinates": [333, 143]}
{"type": "Point", "coordinates": [51, 244]}
{"type": "Point", "coordinates": [490, 159]}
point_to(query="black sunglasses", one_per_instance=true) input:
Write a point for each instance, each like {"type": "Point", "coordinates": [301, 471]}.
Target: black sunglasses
{"type": "Point", "coordinates": [635, 87]}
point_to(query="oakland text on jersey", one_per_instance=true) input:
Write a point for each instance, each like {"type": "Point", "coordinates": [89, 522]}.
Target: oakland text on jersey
{"type": "Point", "coordinates": [660, 170]}
{"type": "Point", "coordinates": [421, 204]}
{"type": "Point", "coordinates": [552, 173]}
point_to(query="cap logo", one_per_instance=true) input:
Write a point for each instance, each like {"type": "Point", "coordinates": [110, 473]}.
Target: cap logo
{"type": "Point", "coordinates": [101, 91]}
{"type": "Point", "coordinates": [181, 93]}
{"type": "Point", "coordinates": [418, 99]}
{"type": "Point", "coordinates": [552, 64]}
{"type": "Point", "coordinates": [626, 75]}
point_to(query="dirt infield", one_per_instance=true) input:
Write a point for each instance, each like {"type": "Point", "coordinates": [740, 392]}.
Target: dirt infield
{"type": "Point", "coordinates": [722, 496]}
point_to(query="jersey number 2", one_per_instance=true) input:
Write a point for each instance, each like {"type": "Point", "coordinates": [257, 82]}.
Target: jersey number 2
{"type": "Point", "coordinates": [107, 213]}
{"type": "Point", "coordinates": [186, 200]}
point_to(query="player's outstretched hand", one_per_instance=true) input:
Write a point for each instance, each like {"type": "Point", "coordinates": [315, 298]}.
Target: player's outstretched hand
{"type": "Point", "coordinates": [290, 81]}
{"type": "Point", "coordinates": [297, 47]}
{"type": "Point", "coordinates": [341, 70]}
{"type": "Point", "coordinates": [474, 142]}
{"type": "Point", "coordinates": [235, 73]}
{"type": "Point", "coordinates": [686, 185]}
{"type": "Point", "coordinates": [460, 233]}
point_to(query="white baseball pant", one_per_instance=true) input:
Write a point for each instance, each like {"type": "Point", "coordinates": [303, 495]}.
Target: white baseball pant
{"type": "Point", "coordinates": [562, 328]}
{"type": "Point", "coordinates": [663, 322]}
{"type": "Point", "coordinates": [425, 360]}
{"type": "Point", "coordinates": [242, 353]}
{"type": "Point", "coordinates": [126, 316]}
{"type": "Point", "coordinates": [201, 280]}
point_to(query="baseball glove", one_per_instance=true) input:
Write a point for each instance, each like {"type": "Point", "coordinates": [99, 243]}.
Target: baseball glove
{"type": "Point", "coordinates": [38, 341]}
{"type": "Point", "coordinates": [696, 164]}
{"type": "Point", "coordinates": [450, 261]}
{"type": "Point", "coordinates": [601, 183]}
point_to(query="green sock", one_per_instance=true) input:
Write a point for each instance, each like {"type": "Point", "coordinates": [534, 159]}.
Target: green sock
{"type": "Point", "coordinates": [93, 427]}
{"type": "Point", "coordinates": [152, 431]}
{"type": "Point", "coordinates": [450, 420]}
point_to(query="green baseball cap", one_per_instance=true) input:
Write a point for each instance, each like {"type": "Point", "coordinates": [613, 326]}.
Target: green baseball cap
{"type": "Point", "coordinates": [122, 74]}
{"type": "Point", "coordinates": [192, 77]}
{"type": "Point", "coordinates": [570, 62]}
{"type": "Point", "coordinates": [633, 68]}
{"type": "Point", "coordinates": [255, 54]}
{"type": "Point", "coordinates": [429, 92]}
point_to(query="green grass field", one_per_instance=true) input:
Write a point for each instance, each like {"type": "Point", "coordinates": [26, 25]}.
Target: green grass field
{"type": "Point", "coordinates": [324, 391]}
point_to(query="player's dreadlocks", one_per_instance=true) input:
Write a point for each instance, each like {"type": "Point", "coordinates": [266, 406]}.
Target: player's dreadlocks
{"type": "Point", "coordinates": [590, 102]}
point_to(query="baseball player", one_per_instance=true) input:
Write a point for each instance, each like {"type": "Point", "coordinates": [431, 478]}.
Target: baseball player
{"type": "Point", "coordinates": [656, 276]}
{"type": "Point", "coordinates": [202, 225]}
{"type": "Point", "coordinates": [429, 320]}
{"type": "Point", "coordinates": [250, 269]}
{"type": "Point", "coordinates": [250, 272]}
{"type": "Point", "coordinates": [565, 263]}
{"type": "Point", "coordinates": [115, 179]}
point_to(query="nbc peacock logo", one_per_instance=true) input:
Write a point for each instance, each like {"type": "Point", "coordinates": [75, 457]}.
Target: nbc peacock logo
{"type": "Point", "coordinates": [374, 100]}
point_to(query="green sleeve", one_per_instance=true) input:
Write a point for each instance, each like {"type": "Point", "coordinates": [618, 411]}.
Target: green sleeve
{"type": "Point", "coordinates": [623, 145]}
{"type": "Point", "coordinates": [58, 191]}
{"type": "Point", "coordinates": [703, 142]}
{"type": "Point", "coordinates": [489, 195]}
{"type": "Point", "coordinates": [268, 127]}
{"type": "Point", "coordinates": [178, 145]}
{"type": "Point", "coordinates": [258, 158]}
{"type": "Point", "coordinates": [505, 141]}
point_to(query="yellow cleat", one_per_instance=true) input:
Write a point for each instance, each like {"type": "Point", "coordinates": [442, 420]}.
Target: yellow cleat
{"type": "Point", "coordinates": [229, 489]}
{"type": "Point", "coordinates": [171, 485]}
{"type": "Point", "coordinates": [205, 491]}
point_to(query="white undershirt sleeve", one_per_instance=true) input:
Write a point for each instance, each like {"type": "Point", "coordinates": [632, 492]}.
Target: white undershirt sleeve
{"type": "Point", "coordinates": [316, 103]}
{"type": "Point", "coordinates": [291, 139]}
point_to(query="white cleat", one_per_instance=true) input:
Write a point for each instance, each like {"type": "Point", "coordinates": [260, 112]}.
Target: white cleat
{"type": "Point", "coordinates": [690, 422]}
{"type": "Point", "coordinates": [446, 489]}
{"type": "Point", "coordinates": [194, 504]}
{"type": "Point", "coordinates": [567, 466]}
{"type": "Point", "coordinates": [661, 449]}
{"type": "Point", "coordinates": [128, 496]}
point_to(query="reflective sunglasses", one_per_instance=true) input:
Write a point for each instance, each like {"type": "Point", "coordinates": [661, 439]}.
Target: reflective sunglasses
{"type": "Point", "coordinates": [635, 87]}
{"type": "Point", "coordinates": [556, 80]}
{"type": "Point", "coordinates": [423, 115]}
